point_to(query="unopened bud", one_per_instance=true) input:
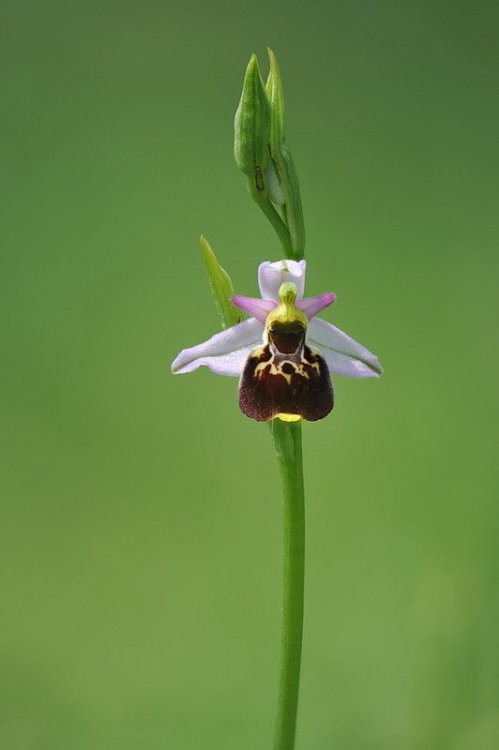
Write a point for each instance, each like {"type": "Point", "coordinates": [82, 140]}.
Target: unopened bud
{"type": "Point", "coordinates": [252, 128]}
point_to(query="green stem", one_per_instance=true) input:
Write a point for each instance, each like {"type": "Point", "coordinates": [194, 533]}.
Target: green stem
{"type": "Point", "coordinates": [287, 442]}
{"type": "Point", "coordinates": [281, 229]}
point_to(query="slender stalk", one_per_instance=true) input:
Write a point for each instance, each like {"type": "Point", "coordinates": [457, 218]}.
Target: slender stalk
{"type": "Point", "coordinates": [280, 227]}
{"type": "Point", "coordinates": [287, 442]}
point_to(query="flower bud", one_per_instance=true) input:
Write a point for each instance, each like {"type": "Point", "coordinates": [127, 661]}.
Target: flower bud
{"type": "Point", "coordinates": [252, 128]}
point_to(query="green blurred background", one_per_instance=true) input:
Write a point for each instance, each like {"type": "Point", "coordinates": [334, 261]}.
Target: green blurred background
{"type": "Point", "coordinates": [140, 513]}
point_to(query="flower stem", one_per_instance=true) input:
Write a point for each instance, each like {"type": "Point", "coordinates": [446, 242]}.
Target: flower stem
{"type": "Point", "coordinates": [287, 442]}
{"type": "Point", "coordinates": [280, 227]}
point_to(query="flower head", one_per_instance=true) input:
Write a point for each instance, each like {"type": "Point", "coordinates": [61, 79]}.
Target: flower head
{"type": "Point", "coordinates": [283, 354]}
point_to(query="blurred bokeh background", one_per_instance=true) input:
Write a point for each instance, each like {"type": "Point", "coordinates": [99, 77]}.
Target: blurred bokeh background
{"type": "Point", "coordinates": [140, 512]}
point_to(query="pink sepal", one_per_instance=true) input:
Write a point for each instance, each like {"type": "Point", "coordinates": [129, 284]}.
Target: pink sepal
{"type": "Point", "coordinates": [313, 305]}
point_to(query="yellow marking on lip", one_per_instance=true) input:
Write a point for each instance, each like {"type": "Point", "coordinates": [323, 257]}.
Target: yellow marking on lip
{"type": "Point", "coordinates": [277, 369]}
{"type": "Point", "coordinates": [274, 370]}
{"type": "Point", "coordinates": [288, 417]}
{"type": "Point", "coordinates": [258, 352]}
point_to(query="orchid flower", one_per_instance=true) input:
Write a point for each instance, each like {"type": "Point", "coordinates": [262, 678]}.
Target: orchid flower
{"type": "Point", "coordinates": [283, 354]}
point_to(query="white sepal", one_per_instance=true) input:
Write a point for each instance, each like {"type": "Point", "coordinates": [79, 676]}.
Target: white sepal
{"type": "Point", "coordinates": [225, 353]}
{"type": "Point", "coordinates": [344, 355]}
{"type": "Point", "coordinates": [272, 275]}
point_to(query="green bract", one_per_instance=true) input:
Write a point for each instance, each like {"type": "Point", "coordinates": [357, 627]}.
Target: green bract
{"type": "Point", "coordinates": [220, 285]}
{"type": "Point", "coordinates": [283, 161]}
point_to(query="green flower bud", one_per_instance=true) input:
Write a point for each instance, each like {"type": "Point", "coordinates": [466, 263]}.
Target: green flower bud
{"type": "Point", "coordinates": [220, 285]}
{"type": "Point", "coordinates": [261, 152]}
{"type": "Point", "coordinates": [252, 128]}
{"type": "Point", "coordinates": [288, 186]}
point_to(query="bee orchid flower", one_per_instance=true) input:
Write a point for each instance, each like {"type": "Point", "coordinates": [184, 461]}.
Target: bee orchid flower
{"type": "Point", "coordinates": [283, 354]}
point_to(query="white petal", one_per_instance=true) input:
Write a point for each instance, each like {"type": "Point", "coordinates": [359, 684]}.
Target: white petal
{"type": "Point", "coordinates": [344, 355]}
{"type": "Point", "coordinates": [272, 275]}
{"type": "Point", "coordinates": [225, 353]}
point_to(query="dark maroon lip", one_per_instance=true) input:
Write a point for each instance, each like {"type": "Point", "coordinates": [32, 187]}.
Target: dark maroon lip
{"type": "Point", "coordinates": [297, 384]}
